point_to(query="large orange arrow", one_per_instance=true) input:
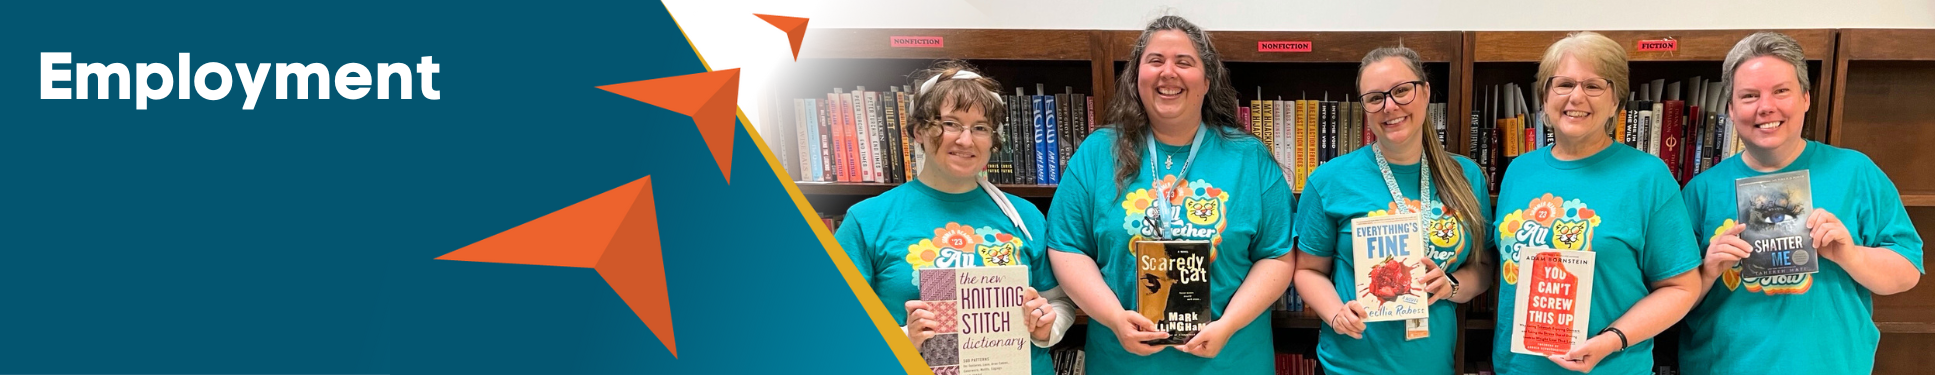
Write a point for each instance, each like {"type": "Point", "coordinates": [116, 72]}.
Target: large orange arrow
{"type": "Point", "coordinates": [615, 233]}
{"type": "Point", "coordinates": [795, 28]}
{"type": "Point", "coordinates": [711, 98]}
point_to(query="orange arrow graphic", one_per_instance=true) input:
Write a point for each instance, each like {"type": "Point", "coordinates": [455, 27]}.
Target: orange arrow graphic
{"type": "Point", "coordinates": [615, 233]}
{"type": "Point", "coordinates": [795, 28]}
{"type": "Point", "coordinates": [711, 98]}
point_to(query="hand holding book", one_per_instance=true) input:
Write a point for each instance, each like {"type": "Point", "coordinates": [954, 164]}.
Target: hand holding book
{"type": "Point", "coordinates": [1583, 358]}
{"type": "Point", "coordinates": [1436, 286]}
{"type": "Point", "coordinates": [1726, 250]}
{"type": "Point", "coordinates": [1209, 340]}
{"type": "Point", "coordinates": [1830, 236]}
{"type": "Point", "coordinates": [1132, 329]}
{"type": "Point", "coordinates": [1349, 320]}
{"type": "Point", "coordinates": [920, 322]}
{"type": "Point", "coordinates": [1041, 319]}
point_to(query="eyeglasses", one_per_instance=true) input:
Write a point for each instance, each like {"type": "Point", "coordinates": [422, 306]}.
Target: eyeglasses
{"type": "Point", "coordinates": [1402, 94]}
{"type": "Point", "coordinates": [951, 128]}
{"type": "Point", "coordinates": [1565, 85]}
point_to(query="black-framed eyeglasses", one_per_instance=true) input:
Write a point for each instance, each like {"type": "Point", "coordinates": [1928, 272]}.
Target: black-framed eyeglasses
{"type": "Point", "coordinates": [1402, 93]}
{"type": "Point", "coordinates": [1594, 87]}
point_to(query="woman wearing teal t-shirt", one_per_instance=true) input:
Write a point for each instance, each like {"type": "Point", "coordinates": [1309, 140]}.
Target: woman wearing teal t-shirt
{"type": "Point", "coordinates": [1394, 176]}
{"type": "Point", "coordinates": [1173, 146]}
{"type": "Point", "coordinates": [951, 217]}
{"type": "Point", "coordinates": [1588, 193]}
{"type": "Point", "coordinates": [1856, 223]}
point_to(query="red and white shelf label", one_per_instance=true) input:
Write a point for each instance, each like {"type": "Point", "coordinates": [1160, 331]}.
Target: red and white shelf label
{"type": "Point", "coordinates": [914, 41]}
{"type": "Point", "coordinates": [1283, 46]}
{"type": "Point", "coordinates": [1659, 45]}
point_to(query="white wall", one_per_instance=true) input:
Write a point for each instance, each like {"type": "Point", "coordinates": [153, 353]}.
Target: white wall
{"type": "Point", "coordinates": [1359, 15]}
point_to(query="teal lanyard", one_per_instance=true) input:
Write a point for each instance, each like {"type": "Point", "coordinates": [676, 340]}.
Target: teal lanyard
{"type": "Point", "coordinates": [1162, 192]}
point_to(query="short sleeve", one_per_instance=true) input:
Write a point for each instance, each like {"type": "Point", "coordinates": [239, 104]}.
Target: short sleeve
{"type": "Point", "coordinates": [1696, 212]}
{"type": "Point", "coordinates": [1890, 227]}
{"type": "Point", "coordinates": [1316, 232]}
{"type": "Point", "coordinates": [1670, 249]}
{"type": "Point", "coordinates": [1041, 275]}
{"type": "Point", "coordinates": [1274, 233]}
{"type": "Point", "coordinates": [1072, 213]}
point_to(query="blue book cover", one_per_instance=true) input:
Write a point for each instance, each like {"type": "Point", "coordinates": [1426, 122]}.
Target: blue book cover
{"type": "Point", "coordinates": [1041, 128]}
{"type": "Point", "coordinates": [1052, 146]}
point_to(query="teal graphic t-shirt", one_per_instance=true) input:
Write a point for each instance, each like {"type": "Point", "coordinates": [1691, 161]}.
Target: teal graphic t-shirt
{"type": "Point", "coordinates": [1820, 323]}
{"type": "Point", "coordinates": [1621, 204]}
{"type": "Point", "coordinates": [1234, 195]}
{"type": "Point", "coordinates": [1351, 187]}
{"type": "Point", "coordinates": [913, 226]}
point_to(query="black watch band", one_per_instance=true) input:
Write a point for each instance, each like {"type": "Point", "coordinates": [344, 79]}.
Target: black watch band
{"type": "Point", "coordinates": [1622, 336]}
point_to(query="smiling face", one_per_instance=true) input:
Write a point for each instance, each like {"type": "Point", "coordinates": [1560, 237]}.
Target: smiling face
{"type": "Point", "coordinates": [959, 155]}
{"type": "Point", "coordinates": [1392, 122]}
{"type": "Point", "coordinates": [1768, 105]}
{"type": "Point", "coordinates": [1170, 79]}
{"type": "Point", "coordinates": [1577, 115]}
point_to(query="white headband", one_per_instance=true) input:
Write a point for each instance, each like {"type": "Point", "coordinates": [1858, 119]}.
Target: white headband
{"type": "Point", "coordinates": [958, 74]}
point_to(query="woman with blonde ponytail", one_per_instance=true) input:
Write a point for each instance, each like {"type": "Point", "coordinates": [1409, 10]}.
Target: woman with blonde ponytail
{"type": "Point", "coordinates": [1405, 171]}
{"type": "Point", "coordinates": [950, 216]}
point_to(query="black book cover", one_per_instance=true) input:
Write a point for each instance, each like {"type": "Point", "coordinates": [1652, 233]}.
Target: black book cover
{"type": "Point", "coordinates": [1172, 280]}
{"type": "Point", "coordinates": [1774, 208]}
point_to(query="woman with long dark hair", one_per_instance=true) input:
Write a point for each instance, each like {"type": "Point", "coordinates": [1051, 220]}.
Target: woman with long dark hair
{"type": "Point", "coordinates": [1173, 165]}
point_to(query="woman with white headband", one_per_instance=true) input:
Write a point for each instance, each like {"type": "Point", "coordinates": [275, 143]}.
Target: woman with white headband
{"type": "Point", "coordinates": [950, 216]}
{"type": "Point", "coordinates": [1173, 166]}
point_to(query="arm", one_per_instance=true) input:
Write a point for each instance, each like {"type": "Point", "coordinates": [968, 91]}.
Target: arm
{"type": "Point", "coordinates": [1473, 279]}
{"type": "Point", "coordinates": [1883, 271]}
{"type": "Point", "coordinates": [1313, 272]}
{"type": "Point", "coordinates": [1064, 317]}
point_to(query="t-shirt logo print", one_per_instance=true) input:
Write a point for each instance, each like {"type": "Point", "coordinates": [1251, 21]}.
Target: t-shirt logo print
{"type": "Point", "coordinates": [1548, 221]}
{"type": "Point", "coordinates": [956, 245]}
{"type": "Point", "coordinates": [1196, 211]}
{"type": "Point", "coordinates": [1773, 285]}
{"type": "Point", "coordinates": [1442, 227]}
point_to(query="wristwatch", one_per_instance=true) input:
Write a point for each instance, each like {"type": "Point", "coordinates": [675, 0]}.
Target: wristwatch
{"type": "Point", "coordinates": [1454, 285]}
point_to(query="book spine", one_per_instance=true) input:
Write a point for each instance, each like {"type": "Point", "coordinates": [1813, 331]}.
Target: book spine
{"type": "Point", "coordinates": [861, 137]}
{"type": "Point", "coordinates": [826, 141]}
{"type": "Point", "coordinates": [1658, 125]}
{"type": "Point", "coordinates": [891, 112]}
{"type": "Point", "coordinates": [1472, 135]}
{"type": "Point", "coordinates": [1040, 138]}
{"type": "Point", "coordinates": [906, 135]}
{"type": "Point", "coordinates": [1051, 147]}
{"type": "Point", "coordinates": [837, 111]}
{"type": "Point", "coordinates": [876, 128]}
{"type": "Point", "coordinates": [1243, 117]}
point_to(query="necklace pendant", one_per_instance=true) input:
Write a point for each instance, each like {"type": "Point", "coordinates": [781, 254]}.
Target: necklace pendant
{"type": "Point", "coordinates": [1168, 161]}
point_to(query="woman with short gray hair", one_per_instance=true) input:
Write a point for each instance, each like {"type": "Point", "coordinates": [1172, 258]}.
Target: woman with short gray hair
{"type": "Point", "coordinates": [1854, 220]}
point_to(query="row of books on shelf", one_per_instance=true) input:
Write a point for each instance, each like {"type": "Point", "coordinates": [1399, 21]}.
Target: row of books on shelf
{"type": "Point", "coordinates": [1292, 305]}
{"type": "Point", "coordinates": [1304, 134]}
{"type": "Point", "coordinates": [1684, 123]}
{"type": "Point", "coordinates": [854, 136]}
{"type": "Point", "coordinates": [1297, 364]}
{"type": "Point", "coordinates": [1068, 360]}
{"type": "Point", "coordinates": [866, 136]}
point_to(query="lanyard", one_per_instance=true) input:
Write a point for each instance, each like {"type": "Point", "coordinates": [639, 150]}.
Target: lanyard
{"type": "Point", "coordinates": [1162, 192]}
{"type": "Point", "coordinates": [1424, 185]}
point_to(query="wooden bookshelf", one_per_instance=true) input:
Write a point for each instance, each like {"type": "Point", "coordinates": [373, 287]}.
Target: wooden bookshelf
{"type": "Point", "coordinates": [1869, 94]}
{"type": "Point", "coordinates": [1880, 76]}
{"type": "Point", "coordinates": [1499, 57]}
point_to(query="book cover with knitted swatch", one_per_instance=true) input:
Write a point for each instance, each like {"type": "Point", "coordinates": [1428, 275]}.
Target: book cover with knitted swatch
{"type": "Point", "coordinates": [1172, 280]}
{"type": "Point", "coordinates": [1774, 208]}
{"type": "Point", "coordinates": [981, 328]}
{"type": "Point", "coordinates": [1388, 259]}
{"type": "Point", "coordinates": [1554, 301]}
